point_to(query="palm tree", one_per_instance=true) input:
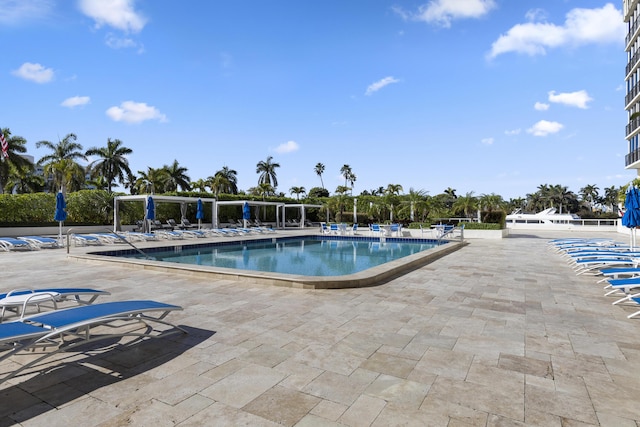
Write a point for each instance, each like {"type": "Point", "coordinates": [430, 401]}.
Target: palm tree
{"type": "Point", "coordinates": [16, 145]}
{"type": "Point", "coordinates": [393, 189]}
{"type": "Point", "coordinates": [517, 203]}
{"type": "Point", "coordinates": [466, 204]}
{"type": "Point", "coordinates": [414, 200]}
{"type": "Point", "coordinates": [151, 181]}
{"type": "Point", "coordinates": [319, 170]}
{"type": "Point", "coordinates": [298, 191]}
{"type": "Point", "coordinates": [62, 164]}
{"type": "Point", "coordinates": [176, 177]}
{"type": "Point", "coordinates": [230, 180]}
{"type": "Point", "coordinates": [534, 202]}
{"type": "Point", "coordinates": [200, 185]}
{"type": "Point", "coordinates": [99, 183]}
{"type": "Point", "coordinates": [22, 180]}
{"type": "Point", "coordinates": [377, 191]}
{"type": "Point", "coordinates": [491, 202]}
{"type": "Point", "coordinates": [544, 191]}
{"type": "Point", "coordinates": [218, 184]}
{"type": "Point", "coordinates": [560, 195]}
{"type": "Point", "coordinates": [342, 189]}
{"type": "Point", "coordinates": [589, 194]}
{"type": "Point", "coordinates": [611, 197]}
{"type": "Point", "coordinates": [112, 163]}
{"type": "Point", "coordinates": [391, 194]}
{"type": "Point", "coordinates": [130, 184]}
{"type": "Point", "coordinates": [267, 171]}
{"type": "Point", "coordinates": [352, 180]}
{"type": "Point", "coordinates": [450, 197]}
{"type": "Point", "coordinates": [346, 172]}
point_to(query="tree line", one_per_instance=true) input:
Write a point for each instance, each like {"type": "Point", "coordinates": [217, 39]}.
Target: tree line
{"type": "Point", "coordinates": [62, 171]}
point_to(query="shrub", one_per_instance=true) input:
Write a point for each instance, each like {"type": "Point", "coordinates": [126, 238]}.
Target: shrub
{"type": "Point", "coordinates": [482, 226]}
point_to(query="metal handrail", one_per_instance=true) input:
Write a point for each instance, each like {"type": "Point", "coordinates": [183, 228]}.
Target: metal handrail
{"type": "Point", "coordinates": [451, 232]}
{"type": "Point", "coordinates": [119, 237]}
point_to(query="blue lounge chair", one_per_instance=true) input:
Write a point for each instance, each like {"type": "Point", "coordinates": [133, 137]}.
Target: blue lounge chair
{"type": "Point", "coordinates": [140, 236]}
{"type": "Point", "coordinates": [11, 244]}
{"type": "Point", "coordinates": [615, 273]}
{"type": "Point", "coordinates": [65, 329]}
{"type": "Point", "coordinates": [85, 239]}
{"type": "Point", "coordinates": [41, 242]}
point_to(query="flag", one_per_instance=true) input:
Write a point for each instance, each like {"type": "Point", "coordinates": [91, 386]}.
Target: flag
{"type": "Point", "coordinates": [5, 146]}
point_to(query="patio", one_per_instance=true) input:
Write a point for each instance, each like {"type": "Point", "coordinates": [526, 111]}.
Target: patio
{"type": "Point", "coordinates": [500, 332]}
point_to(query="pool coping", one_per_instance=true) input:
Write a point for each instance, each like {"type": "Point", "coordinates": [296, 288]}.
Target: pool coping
{"type": "Point", "coordinates": [371, 277]}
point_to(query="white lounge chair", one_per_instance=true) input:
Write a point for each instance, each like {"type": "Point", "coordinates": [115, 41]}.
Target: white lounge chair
{"type": "Point", "coordinates": [17, 300]}
{"type": "Point", "coordinates": [66, 329]}
{"type": "Point", "coordinates": [11, 244]}
{"type": "Point", "coordinates": [41, 242]}
{"type": "Point", "coordinates": [593, 266]}
{"type": "Point", "coordinates": [141, 237]}
{"type": "Point", "coordinates": [85, 240]}
{"type": "Point", "coordinates": [170, 234]}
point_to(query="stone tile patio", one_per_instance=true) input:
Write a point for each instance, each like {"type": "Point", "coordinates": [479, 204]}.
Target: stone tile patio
{"type": "Point", "coordinates": [499, 333]}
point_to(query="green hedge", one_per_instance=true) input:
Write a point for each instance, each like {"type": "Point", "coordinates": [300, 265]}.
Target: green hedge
{"type": "Point", "coordinates": [482, 226]}
{"type": "Point", "coordinates": [83, 207]}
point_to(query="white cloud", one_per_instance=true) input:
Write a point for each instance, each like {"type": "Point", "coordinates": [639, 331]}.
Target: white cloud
{"type": "Point", "coordinates": [574, 99]}
{"type": "Point", "coordinates": [513, 132]}
{"type": "Point", "coordinates": [582, 26]}
{"type": "Point", "coordinates": [544, 128]}
{"type": "Point", "coordinates": [135, 112]}
{"type": "Point", "coordinates": [374, 87]}
{"type": "Point", "coordinates": [34, 72]}
{"type": "Point", "coordinates": [115, 42]}
{"type": "Point", "coordinates": [536, 15]}
{"type": "Point", "coordinates": [16, 12]}
{"type": "Point", "coordinates": [487, 141]}
{"type": "Point", "coordinates": [75, 101]}
{"type": "Point", "coordinates": [287, 147]}
{"type": "Point", "coordinates": [541, 106]}
{"type": "Point", "coordinates": [442, 12]}
{"type": "Point", "coordinates": [119, 14]}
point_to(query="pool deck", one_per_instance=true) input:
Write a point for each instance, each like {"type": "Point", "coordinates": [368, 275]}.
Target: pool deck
{"type": "Point", "coordinates": [498, 333]}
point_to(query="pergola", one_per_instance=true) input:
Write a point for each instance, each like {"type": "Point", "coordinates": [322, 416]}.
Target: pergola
{"type": "Point", "coordinates": [303, 207]}
{"type": "Point", "coordinates": [215, 204]}
{"type": "Point", "coordinates": [156, 198]}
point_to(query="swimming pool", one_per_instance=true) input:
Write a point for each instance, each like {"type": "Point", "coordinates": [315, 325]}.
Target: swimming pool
{"type": "Point", "coordinates": [310, 256]}
{"type": "Point", "coordinates": [319, 262]}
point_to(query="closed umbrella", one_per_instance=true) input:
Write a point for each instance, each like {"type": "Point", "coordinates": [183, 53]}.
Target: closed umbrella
{"type": "Point", "coordinates": [631, 217]}
{"type": "Point", "coordinates": [199, 212]}
{"type": "Point", "coordinates": [151, 214]}
{"type": "Point", "coordinates": [246, 213]}
{"type": "Point", "coordinates": [355, 211]}
{"type": "Point", "coordinates": [61, 213]}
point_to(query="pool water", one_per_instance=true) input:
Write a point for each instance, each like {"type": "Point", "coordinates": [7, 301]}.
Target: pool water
{"type": "Point", "coordinates": [308, 256]}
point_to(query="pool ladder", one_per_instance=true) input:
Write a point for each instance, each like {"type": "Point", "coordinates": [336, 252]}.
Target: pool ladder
{"type": "Point", "coordinates": [140, 251]}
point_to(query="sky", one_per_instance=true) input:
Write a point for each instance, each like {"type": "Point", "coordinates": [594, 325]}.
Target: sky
{"type": "Point", "coordinates": [482, 96]}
